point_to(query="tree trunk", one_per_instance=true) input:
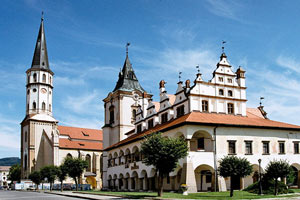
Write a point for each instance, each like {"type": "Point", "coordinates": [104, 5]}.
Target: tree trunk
{"type": "Point", "coordinates": [76, 184]}
{"type": "Point", "coordinates": [50, 186]}
{"type": "Point", "coordinates": [61, 186]}
{"type": "Point", "coordinates": [160, 184]}
{"type": "Point", "coordinates": [276, 185]}
{"type": "Point", "coordinates": [231, 186]}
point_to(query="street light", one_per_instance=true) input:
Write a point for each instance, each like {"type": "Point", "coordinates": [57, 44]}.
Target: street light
{"type": "Point", "coordinates": [260, 186]}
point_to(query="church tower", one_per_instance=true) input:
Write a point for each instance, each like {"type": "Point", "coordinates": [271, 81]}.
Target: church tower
{"type": "Point", "coordinates": [39, 138]}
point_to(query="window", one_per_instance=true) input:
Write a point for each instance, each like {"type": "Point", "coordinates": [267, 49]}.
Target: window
{"type": "Point", "coordinates": [111, 115]}
{"type": "Point", "coordinates": [25, 136]}
{"type": "Point", "coordinates": [248, 147]}
{"type": "Point", "coordinates": [221, 92]}
{"type": "Point", "coordinates": [34, 77]}
{"type": "Point", "coordinates": [180, 111]}
{"type": "Point", "coordinates": [231, 147]}
{"type": "Point", "coordinates": [34, 90]}
{"type": "Point", "coordinates": [296, 147]}
{"type": "Point", "coordinates": [50, 80]}
{"type": "Point", "coordinates": [220, 79]}
{"type": "Point", "coordinates": [88, 159]}
{"type": "Point", "coordinates": [230, 93]}
{"type": "Point", "coordinates": [208, 177]}
{"type": "Point", "coordinates": [133, 114]}
{"type": "Point", "coordinates": [229, 80]}
{"type": "Point", "coordinates": [281, 147]}
{"type": "Point", "coordinates": [139, 128]}
{"type": "Point", "coordinates": [33, 105]}
{"type": "Point", "coordinates": [28, 79]}
{"type": "Point", "coordinates": [204, 106]}
{"type": "Point", "coordinates": [200, 143]}
{"type": "Point", "coordinates": [230, 108]}
{"type": "Point", "coordinates": [164, 117]}
{"type": "Point", "coordinates": [44, 78]}
{"type": "Point", "coordinates": [266, 147]}
{"type": "Point", "coordinates": [69, 155]}
{"type": "Point", "coordinates": [150, 123]}
{"type": "Point", "coordinates": [28, 91]}
{"type": "Point", "coordinates": [43, 106]}
{"type": "Point", "coordinates": [50, 108]}
{"type": "Point", "coordinates": [25, 162]}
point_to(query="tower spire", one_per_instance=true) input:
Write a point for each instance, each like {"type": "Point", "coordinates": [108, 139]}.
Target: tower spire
{"type": "Point", "coordinates": [127, 45]}
{"type": "Point", "coordinates": [40, 56]}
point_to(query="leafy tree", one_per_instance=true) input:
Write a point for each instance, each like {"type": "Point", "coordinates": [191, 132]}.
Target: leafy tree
{"type": "Point", "coordinates": [36, 178]}
{"type": "Point", "coordinates": [49, 172]}
{"type": "Point", "coordinates": [163, 153]}
{"type": "Point", "coordinates": [277, 169]}
{"type": "Point", "coordinates": [75, 167]}
{"type": "Point", "coordinates": [232, 166]}
{"type": "Point", "coordinates": [62, 173]}
{"type": "Point", "coordinates": [15, 173]}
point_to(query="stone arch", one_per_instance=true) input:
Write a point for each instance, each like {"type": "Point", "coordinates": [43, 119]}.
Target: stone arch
{"type": "Point", "coordinates": [296, 169]}
{"type": "Point", "coordinates": [179, 135]}
{"type": "Point", "coordinates": [69, 155]}
{"type": "Point", "coordinates": [144, 183]}
{"type": "Point", "coordinates": [109, 160]}
{"type": "Point", "coordinates": [134, 180]}
{"type": "Point", "coordinates": [121, 157]}
{"type": "Point", "coordinates": [254, 176]}
{"type": "Point", "coordinates": [127, 156]}
{"type": "Point", "coordinates": [109, 181]}
{"type": "Point", "coordinates": [135, 154]}
{"type": "Point", "coordinates": [201, 141]}
{"type": "Point", "coordinates": [204, 175]}
{"type": "Point", "coordinates": [115, 159]}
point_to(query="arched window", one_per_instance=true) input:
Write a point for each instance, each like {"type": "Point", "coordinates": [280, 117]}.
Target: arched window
{"type": "Point", "coordinates": [34, 77]}
{"type": "Point", "coordinates": [25, 136]}
{"type": "Point", "coordinates": [230, 93]}
{"type": "Point", "coordinates": [221, 92]}
{"type": "Point", "coordinates": [44, 78]}
{"type": "Point", "coordinates": [88, 159]}
{"type": "Point", "coordinates": [50, 108]}
{"type": "Point", "coordinates": [111, 114]}
{"type": "Point", "coordinates": [28, 79]}
{"type": "Point", "coordinates": [50, 80]}
{"type": "Point", "coordinates": [43, 106]}
{"type": "Point", "coordinates": [28, 91]}
{"type": "Point", "coordinates": [69, 155]}
{"type": "Point", "coordinates": [133, 114]}
{"type": "Point", "coordinates": [33, 105]}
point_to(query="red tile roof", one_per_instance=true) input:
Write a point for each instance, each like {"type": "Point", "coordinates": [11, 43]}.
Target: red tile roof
{"type": "Point", "coordinates": [81, 133]}
{"type": "Point", "coordinates": [75, 144]}
{"type": "Point", "coordinates": [80, 138]}
{"type": "Point", "coordinates": [251, 121]}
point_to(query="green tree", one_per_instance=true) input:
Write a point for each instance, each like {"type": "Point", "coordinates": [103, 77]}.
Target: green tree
{"type": "Point", "coordinates": [75, 167]}
{"type": "Point", "coordinates": [277, 169]}
{"type": "Point", "coordinates": [232, 166]}
{"type": "Point", "coordinates": [62, 174]}
{"type": "Point", "coordinates": [49, 172]}
{"type": "Point", "coordinates": [163, 153]}
{"type": "Point", "coordinates": [36, 178]}
{"type": "Point", "coordinates": [15, 173]}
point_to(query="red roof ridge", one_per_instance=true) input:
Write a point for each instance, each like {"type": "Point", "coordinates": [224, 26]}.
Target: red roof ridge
{"type": "Point", "coordinates": [80, 128]}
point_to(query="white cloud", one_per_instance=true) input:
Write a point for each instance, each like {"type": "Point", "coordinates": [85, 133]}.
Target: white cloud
{"type": "Point", "coordinates": [289, 63]}
{"type": "Point", "coordinates": [228, 9]}
{"type": "Point", "coordinates": [68, 81]}
{"type": "Point", "coordinates": [9, 133]}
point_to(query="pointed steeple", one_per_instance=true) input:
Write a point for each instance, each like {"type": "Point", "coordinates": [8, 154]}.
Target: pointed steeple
{"type": "Point", "coordinates": [40, 56]}
{"type": "Point", "coordinates": [127, 78]}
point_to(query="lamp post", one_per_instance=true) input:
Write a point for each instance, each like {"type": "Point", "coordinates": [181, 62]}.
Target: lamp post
{"type": "Point", "coordinates": [260, 186]}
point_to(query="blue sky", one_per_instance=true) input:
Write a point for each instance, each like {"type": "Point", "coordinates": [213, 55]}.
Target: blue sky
{"type": "Point", "coordinates": [86, 46]}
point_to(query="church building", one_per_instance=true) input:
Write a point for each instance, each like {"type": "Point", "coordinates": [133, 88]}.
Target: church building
{"type": "Point", "coordinates": [211, 116]}
{"type": "Point", "coordinates": [43, 141]}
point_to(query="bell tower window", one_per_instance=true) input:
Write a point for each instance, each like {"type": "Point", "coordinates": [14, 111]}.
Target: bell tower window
{"type": "Point", "coordinates": [28, 79]}
{"type": "Point", "coordinates": [34, 77]}
{"type": "Point", "coordinates": [111, 114]}
{"type": "Point", "coordinates": [33, 105]}
{"type": "Point", "coordinates": [43, 106]}
{"type": "Point", "coordinates": [50, 107]}
{"type": "Point", "coordinates": [221, 92]}
{"type": "Point", "coordinates": [44, 78]}
{"type": "Point", "coordinates": [133, 115]}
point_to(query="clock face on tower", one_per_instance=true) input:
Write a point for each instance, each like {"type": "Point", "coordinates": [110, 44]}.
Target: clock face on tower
{"type": "Point", "coordinates": [43, 90]}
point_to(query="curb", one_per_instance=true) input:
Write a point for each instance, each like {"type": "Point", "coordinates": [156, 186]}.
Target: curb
{"type": "Point", "coordinates": [70, 195]}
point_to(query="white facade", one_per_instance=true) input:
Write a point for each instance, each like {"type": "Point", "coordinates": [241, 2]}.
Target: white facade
{"type": "Point", "coordinates": [212, 117]}
{"type": "Point", "coordinates": [4, 171]}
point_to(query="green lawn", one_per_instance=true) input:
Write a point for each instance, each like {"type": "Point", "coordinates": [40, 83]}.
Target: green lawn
{"type": "Point", "coordinates": [202, 195]}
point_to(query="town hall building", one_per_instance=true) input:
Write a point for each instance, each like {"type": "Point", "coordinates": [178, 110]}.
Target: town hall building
{"type": "Point", "coordinates": [211, 116]}
{"type": "Point", "coordinates": [43, 141]}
